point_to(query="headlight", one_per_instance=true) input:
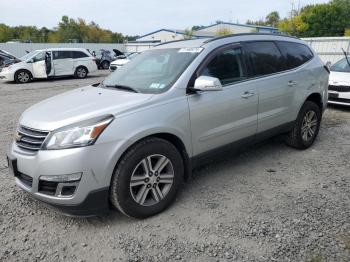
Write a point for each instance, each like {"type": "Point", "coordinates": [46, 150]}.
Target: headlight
{"type": "Point", "coordinates": [77, 135]}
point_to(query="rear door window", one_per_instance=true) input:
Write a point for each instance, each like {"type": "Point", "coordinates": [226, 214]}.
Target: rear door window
{"type": "Point", "coordinates": [295, 54]}
{"type": "Point", "coordinates": [61, 55]}
{"type": "Point", "coordinates": [227, 66]}
{"type": "Point", "coordinates": [79, 54]}
{"type": "Point", "coordinates": [264, 58]}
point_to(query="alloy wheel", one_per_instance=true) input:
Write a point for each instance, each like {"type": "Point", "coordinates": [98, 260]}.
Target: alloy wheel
{"type": "Point", "coordinates": [23, 77]}
{"type": "Point", "coordinates": [151, 180]}
{"type": "Point", "coordinates": [81, 72]}
{"type": "Point", "coordinates": [309, 126]}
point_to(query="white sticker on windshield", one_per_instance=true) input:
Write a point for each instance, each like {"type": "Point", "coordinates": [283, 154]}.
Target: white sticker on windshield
{"type": "Point", "coordinates": [191, 50]}
{"type": "Point", "coordinates": [157, 86]}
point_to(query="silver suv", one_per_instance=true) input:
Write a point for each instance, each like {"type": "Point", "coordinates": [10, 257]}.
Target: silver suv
{"type": "Point", "coordinates": [129, 142]}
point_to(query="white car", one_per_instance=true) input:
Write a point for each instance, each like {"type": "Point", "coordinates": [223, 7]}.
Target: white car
{"type": "Point", "coordinates": [120, 62]}
{"type": "Point", "coordinates": [339, 83]}
{"type": "Point", "coordinates": [49, 63]}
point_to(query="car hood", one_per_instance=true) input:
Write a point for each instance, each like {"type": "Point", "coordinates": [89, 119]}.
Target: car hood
{"type": "Point", "coordinates": [81, 104]}
{"type": "Point", "coordinates": [339, 78]}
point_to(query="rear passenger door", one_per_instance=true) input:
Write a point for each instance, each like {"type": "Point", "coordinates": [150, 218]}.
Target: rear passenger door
{"type": "Point", "coordinates": [275, 86]}
{"type": "Point", "coordinates": [62, 63]}
{"type": "Point", "coordinates": [222, 117]}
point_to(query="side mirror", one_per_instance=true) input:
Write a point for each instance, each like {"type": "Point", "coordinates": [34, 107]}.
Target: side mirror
{"type": "Point", "coordinates": [30, 61]}
{"type": "Point", "coordinates": [329, 64]}
{"type": "Point", "coordinates": [207, 83]}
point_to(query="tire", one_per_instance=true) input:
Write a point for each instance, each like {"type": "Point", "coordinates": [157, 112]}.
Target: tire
{"type": "Point", "coordinates": [128, 197]}
{"type": "Point", "coordinates": [81, 72]}
{"type": "Point", "coordinates": [309, 118]}
{"type": "Point", "coordinates": [105, 65]}
{"type": "Point", "coordinates": [23, 76]}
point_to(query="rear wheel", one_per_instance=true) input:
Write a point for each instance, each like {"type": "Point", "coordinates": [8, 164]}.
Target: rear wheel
{"type": "Point", "coordinates": [306, 127]}
{"type": "Point", "coordinates": [80, 72]}
{"type": "Point", "coordinates": [105, 65]}
{"type": "Point", "coordinates": [147, 178]}
{"type": "Point", "coordinates": [23, 76]}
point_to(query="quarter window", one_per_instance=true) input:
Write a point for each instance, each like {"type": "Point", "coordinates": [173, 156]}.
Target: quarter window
{"type": "Point", "coordinates": [295, 54]}
{"type": "Point", "coordinates": [79, 54]}
{"type": "Point", "coordinates": [227, 66]}
{"type": "Point", "coordinates": [61, 54]}
{"type": "Point", "coordinates": [265, 58]}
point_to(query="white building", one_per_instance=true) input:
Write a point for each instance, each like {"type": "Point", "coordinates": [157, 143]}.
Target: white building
{"type": "Point", "coordinates": [165, 35]}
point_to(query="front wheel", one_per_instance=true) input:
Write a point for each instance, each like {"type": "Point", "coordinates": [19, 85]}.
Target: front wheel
{"type": "Point", "coordinates": [147, 178]}
{"type": "Point", "coordinates": [23, 76]}
{"type": "Point", "coordinates": [306, 126]}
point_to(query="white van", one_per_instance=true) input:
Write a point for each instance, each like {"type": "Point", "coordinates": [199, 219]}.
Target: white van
{"type": "Point", "coordinates": [49, 63]}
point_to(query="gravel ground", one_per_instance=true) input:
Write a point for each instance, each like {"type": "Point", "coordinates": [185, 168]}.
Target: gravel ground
{"type": "Point", "coordinates": [267, 203]}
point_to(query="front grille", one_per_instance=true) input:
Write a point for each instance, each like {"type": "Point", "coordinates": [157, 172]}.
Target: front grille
{"type": "Point", "coordinates": [47, 187]}
{"type": "Point", "coordinates": [30, 139]}
{"type": "Point", "coordinates": [25, 179]}
{"type": "Point", "coordinates": [339, 88]}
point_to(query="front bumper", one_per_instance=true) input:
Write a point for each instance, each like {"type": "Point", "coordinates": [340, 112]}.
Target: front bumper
{"type": "Point", "coordinates": [90, 196]}
{"type": "Point", "coordinates": [6, 76]}
{"type": "Point", "coordinates": [338, 98]}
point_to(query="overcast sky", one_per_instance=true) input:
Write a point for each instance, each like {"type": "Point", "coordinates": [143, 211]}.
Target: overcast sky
{"type": "Point", "coordinates": [143, 16]}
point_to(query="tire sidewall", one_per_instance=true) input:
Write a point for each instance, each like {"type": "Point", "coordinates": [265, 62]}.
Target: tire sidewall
{"type": "Point", "coordinates": [20, 71]}
{"type": "Point", "coordinates": [308, 106]}
{"type": "Point", "coordinates": [76, 72]}
{"type": "Point", "coordinates": [120, 187]}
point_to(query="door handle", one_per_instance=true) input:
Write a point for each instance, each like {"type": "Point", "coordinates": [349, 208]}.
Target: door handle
{"type": "Point", "coordinates": [247, 94]}
{"type": "Point", "coordinates": [292, 83]}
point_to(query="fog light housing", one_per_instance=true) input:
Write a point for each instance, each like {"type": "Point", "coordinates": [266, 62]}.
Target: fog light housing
{"type": "Point", "coordinates": [62, 178]}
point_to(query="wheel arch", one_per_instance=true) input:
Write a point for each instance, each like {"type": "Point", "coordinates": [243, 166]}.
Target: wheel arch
{"type": "Point", "coordinates": [173, 139]}
{"type": "Point", "coordinates": [23, 69]}
{"type": "Point", "coordinates": [317, 99]}
{"type": "Point", "coordinates": [87, 70]}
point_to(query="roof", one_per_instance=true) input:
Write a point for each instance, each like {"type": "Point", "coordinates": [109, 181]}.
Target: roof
{"type": "Point", "coordinates": [175, 31]}
{"type": "Point", "coordinates": [243, 25]}
{"type": "Point", "coordinates": [201, 34]}
{"type": "Point", "coordinates": [244, 37]}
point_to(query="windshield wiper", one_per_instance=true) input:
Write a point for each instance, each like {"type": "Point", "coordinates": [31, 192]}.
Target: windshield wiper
{"type": "Point", "coordinates": [127, 88]}
{"type": "Point", "coordinates": [346, 56]}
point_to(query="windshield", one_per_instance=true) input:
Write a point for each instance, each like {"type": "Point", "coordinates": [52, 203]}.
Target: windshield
{"type": "Point", "coordinates": [153, 71]}
{"type": "Point", "coordinates": [29, 55]}
{"type": "Point", "coordinates": [341, 66]}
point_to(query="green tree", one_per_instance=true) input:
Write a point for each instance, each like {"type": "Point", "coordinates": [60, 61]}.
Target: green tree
{"type": "Point", "coordinates": [273, 18]}
{"type": "Point", "coordinates": [188, 33]}
{"type": "Point", "coordinates": [5, 33]}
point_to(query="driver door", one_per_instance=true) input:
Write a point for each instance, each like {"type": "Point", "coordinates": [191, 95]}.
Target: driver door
{"type": "Point", "coordinates": [219, 118]}
{"type": "Point", "coordinates": [39, 66]}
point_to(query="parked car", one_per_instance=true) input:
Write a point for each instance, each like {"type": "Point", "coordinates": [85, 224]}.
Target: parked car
{"type": "Point", "coordinates": [105, 57]}
{"type": "Point", "coordinates": [131, 140]}
{"type": "Point", "coordinates": [49, 63]}
{"type": "Point", "coordinates": [122, 61]}
{"type": "Point", "coordinates": [339, 83]}
{"type": "Point", "coordinates": [6, 59]}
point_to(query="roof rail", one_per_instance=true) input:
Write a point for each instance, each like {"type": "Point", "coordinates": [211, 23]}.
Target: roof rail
{"type": "Point", "coordinates": [181, 40]}
{"type": "Point", "coordinates": [247, 34]}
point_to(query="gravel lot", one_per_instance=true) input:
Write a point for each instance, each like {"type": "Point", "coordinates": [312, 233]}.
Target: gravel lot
{"type": "Point", "coordinates": [267, 203]}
